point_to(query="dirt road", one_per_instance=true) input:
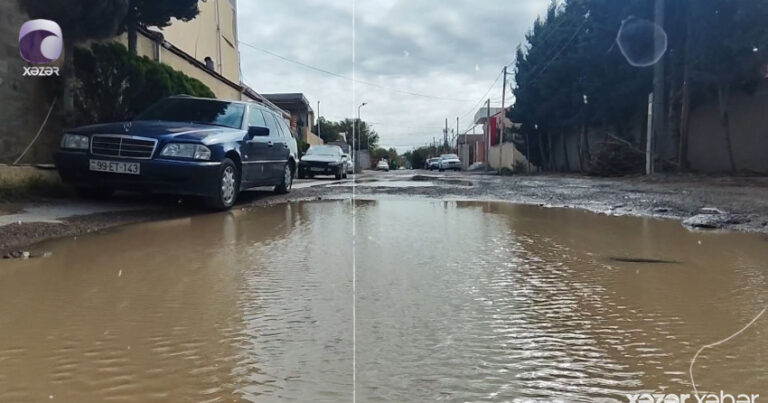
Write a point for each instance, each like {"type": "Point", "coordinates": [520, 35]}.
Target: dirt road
{"type": "Point", "coordinates": [701, 202]}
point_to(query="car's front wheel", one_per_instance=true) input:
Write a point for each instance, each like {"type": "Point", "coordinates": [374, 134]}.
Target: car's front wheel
{"type": "Point", "coordinates": [287, 181]}
{"type": "Point", "coordinates": [227, 187]}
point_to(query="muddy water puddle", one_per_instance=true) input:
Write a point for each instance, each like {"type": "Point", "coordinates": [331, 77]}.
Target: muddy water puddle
{"type": "Point", "coordinates": [454, 301]}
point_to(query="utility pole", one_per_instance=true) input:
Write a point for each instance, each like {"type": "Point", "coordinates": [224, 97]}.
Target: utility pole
{"type": "Point", "coordinates": [503, 118]}
{"type": "Point", "coordinates": [457, 135]}
{"type": "Point", "coordinates": [488, 135]}
{"type": "Point", "coordinates": [649, 138]}
{"type": "Point", "coordinates": [318, 118]}
{"type": "Point", "coordinates": [445, 134]}
{"type": "Point", "coordinates": [658, 115]}
{"type": "Point", "coordinates": [357, 123]}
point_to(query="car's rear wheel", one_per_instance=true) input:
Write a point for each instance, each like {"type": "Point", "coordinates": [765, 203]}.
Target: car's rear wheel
{"type": "Point", "coordinates": [94, 193]}
{"type": "Point", "coordinates": [287, 181]}
{"type": "Point", "coordinates": [227, 187]}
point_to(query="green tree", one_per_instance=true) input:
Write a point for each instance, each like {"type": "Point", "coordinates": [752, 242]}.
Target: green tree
{"type": "Point", "coordinates": [419, 156]}
{"type": "Point", "coordinates": [115, 85]}
{"type": "Point", "coordinates": [365, 137]}
{"type": "Point", "coordinates": [390, 155]}
{"type": "Point", "coordinates": [329, 131]}
{"type": "Point", "coordinates": [567, 81]}
{"type": "Point", "coordinates": [156, 13]}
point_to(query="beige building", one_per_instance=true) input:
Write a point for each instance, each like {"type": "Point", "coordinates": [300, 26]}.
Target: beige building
{"type": "Point", "coordinates": [204, 48]}
{"type": "Point", "coordinates": [185, 46]}
{"type": "Point", "coordinates": [212, 34]}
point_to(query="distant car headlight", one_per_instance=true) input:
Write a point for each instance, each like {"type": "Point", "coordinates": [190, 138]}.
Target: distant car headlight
{"type": "Point", "coordinates": [186, 150]}
{"type": "Point", "coordinates": [75, 142]}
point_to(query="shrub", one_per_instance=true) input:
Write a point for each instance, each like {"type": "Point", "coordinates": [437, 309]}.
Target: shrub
{"type": "Point", "coordinates": [114, 85]}
{"type": "Point", "coordinates": [616, 159]}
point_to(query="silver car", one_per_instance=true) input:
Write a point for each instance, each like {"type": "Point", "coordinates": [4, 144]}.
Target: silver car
{"type": "Point", "coordinates": [449, 161]}
{"type": "Point", "coordinates": [350, 163]}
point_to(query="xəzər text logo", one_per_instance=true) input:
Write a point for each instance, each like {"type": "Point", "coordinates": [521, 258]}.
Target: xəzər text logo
{"type": "Point", "coordinates": [695, 398]}
{"type": "Point", "coordinates": [40, 42]}
{"type": "Point", "coordinates": [40, 71]}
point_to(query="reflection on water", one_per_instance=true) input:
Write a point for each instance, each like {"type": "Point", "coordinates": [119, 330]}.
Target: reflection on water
{"type": "Point", "coordinates": [455, 301]}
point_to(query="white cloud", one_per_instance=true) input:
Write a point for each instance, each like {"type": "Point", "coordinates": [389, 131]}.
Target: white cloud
{"type": "Point", "coordinates": [422, 47]}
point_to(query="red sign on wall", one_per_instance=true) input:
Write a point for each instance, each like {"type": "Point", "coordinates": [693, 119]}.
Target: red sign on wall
{"type": "Point", "coordinates": [494, 130]}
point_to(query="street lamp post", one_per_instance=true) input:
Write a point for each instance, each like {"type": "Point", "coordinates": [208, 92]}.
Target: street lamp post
{"type": "Point", "coordinates": [357, 123]}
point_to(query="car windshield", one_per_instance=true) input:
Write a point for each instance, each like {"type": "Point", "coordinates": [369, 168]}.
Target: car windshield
{"type": "Point", "coordinates": [324, 150]}
{"type": "Point", "coordinates": [450, 157]}
{"type": "Point", "coordinates": [193, 110]}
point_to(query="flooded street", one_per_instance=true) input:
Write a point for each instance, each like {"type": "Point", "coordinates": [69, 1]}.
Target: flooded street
{"type": "Point", "coordinates": [455, 301]}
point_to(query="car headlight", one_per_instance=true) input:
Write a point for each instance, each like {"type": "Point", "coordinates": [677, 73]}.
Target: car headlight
{"type": "Point", "coordinates": [185, 150]}
{"type": "Point", "coordinates": [75, 141]}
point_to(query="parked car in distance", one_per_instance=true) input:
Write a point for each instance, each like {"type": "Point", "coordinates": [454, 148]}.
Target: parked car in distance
{"type": "Point", "coordinates": [449, 161]}
{"type": "Point", "coordinates": [350, 164]}
{"type": "Point", "coordinates": [382, 165]}
{"type": "Point", "coordinates": [182, 145]}
{"type": "Point", "coordinates": [323, 160]}
{"type": "Point", "coordinates": [433, 163]}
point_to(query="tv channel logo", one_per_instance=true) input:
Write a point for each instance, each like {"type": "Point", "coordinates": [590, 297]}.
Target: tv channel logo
{"type": "Point", "coordinates": [40, 41]}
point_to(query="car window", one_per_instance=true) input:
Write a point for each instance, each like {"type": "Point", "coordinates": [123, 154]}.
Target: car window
{"type": "Point", "coordinates": [281, 130]}
{"type": "Point", "coordinates": [255, 118]}
{"type": "Point", "coordinates": [286, 130]}
{"type": "Point", "coordinates": [271, 124]}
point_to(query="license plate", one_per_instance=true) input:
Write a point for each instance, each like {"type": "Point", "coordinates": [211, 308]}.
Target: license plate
{"type": "Point", "coordinates": [130, 168]}
{"type": "Point", "coordinates": [318, 169]}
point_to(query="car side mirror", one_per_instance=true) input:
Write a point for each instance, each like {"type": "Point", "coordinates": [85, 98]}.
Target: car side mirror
{"type": "Point", "coordinates": [257, 131]}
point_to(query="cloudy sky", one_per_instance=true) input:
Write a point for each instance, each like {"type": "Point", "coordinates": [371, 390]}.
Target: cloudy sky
{"type": "Point", "coordinates": [420, 61]}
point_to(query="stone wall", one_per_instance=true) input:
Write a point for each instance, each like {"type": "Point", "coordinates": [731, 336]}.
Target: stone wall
{"type": "Point", "coordinates": [509, 158]}
{"type": "Point", "coordinates": [707, 150]}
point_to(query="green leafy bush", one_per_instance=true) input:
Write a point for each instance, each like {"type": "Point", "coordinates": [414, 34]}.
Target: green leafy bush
{"type": "Point", "coordinates": [115, 85]}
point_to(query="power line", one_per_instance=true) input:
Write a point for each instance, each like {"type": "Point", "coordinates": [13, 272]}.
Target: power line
{"type": "Point", "coordinates": [404, 126]}
{"type": "Point", "coordinates": [484, 95]}
{"type": "Point", "coordinates": [321, 70]}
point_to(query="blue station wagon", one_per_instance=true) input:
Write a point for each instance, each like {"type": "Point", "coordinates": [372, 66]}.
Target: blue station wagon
{"type": "Point", "coordinates": [183, 145]}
